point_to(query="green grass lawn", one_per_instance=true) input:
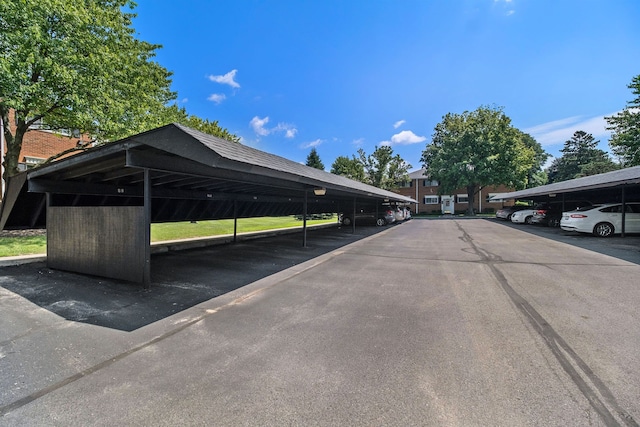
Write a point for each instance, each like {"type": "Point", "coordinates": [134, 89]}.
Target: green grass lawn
{"type": "Point", "coordinates": [26, 245]}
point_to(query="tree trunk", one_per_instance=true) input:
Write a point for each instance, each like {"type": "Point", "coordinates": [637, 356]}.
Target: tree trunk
{"type": "Point", "coordinates": [13, 145]}
{"type": "Point", "coordinates": [471, 190]}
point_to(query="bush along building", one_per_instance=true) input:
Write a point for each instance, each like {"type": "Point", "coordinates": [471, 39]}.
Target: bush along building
{"type": "Point", "coordinates": [426, 192]}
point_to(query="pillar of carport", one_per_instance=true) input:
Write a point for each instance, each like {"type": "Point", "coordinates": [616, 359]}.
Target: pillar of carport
{"type": "Point", "coordinates": [146, 274]}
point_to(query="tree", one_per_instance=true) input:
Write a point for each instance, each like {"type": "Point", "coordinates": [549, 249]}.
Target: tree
{"type": "Point", "coordinates": [382, 169]}
{"type": "Point", "coordinates": [174, 114]}
{"type": "Point", "coordinates": [313, 160]}
{"type": "Point", "coordinates": [75, 64]}
{"type": "Point", "coordinates": [351, 168]}
{"type": "Point", "coordinates": [580, 157]}
{"type": "Point", "coordinates": [535, 176]}
{"type": "Point", "coordinates": [479, 148]}
{"type": "Point", "coordinates": [625, 140]}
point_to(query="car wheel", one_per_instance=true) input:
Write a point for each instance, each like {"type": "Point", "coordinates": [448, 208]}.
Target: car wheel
{"type": "Point", "coordinates": [509, 217]}
{"type": "Point", "coordinates": [380, 222]}
{"type": "Point", "coordinates": [346, 221]}
{"type": "Point", "coordinates": [553, 222]}
{"type": "Point", "coordinates": [527, 220]}
{"type": "Point", "coordinates": [604, 229]}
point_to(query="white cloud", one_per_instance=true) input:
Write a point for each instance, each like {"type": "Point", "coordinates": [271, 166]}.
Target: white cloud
{"type": "Point", "coordinates": [216, 97]}
{"type": "Point", "coordinates": [227, 79]}
{"type": "Point", "coordinates": [289, 130]}
{"type": "Point", "coordinates": [559, 131]}
{"type": "Point", "coordinates": [259, 127]}
{"type": "Point", "coordinates": [399, 123]}
{"type": "Point", "coordinates": [405, 137]}
{"type": "Point", "coordinates": [358, 142]}
{"type": "Point", "coordinates": [312, 144]}
{"type": "Point", "coordinates": [290, 133]}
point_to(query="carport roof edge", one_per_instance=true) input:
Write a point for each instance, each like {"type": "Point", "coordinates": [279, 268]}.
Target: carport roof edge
{"type": "Point", "coordinates": [627, 176]}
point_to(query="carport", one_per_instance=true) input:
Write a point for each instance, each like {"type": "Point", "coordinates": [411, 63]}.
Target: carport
{"type": "Point", "coordinates": [619, 186]}
{"type": "Point", "coordinates": [98, 205]}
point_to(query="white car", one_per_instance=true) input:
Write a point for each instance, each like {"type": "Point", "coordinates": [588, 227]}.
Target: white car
{"type": "Point", "coordinates": [603, 220]}
{"type": "Point", "coordinates": [522, 217]}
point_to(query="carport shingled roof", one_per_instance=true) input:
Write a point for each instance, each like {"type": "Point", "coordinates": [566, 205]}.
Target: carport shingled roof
{"type": "Point", "coordinates": [627, 176]}
{"type": "Point", "coordinates": [243, 154]}
{"type": "Point", "coordinates": [196, 168]}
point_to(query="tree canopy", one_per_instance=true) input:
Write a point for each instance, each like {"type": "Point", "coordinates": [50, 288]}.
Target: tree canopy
{"type": "Point", "coordinates": [313, 160]}
{"type": "Point", "coordinates": [625, 140]}
{"type": "Point", "coordinates": [479, 148]}
{"type": "Point", "coordinates": [382, 169]}
{"type": "Point", "coordinates": [350, 167]}
{"type": "Point", "coordinates": [76, 64]}
{"type": "Point", "coordinates": [580, 157]}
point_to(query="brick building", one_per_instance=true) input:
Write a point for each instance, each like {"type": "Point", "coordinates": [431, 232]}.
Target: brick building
{"type": "Point", "coordinates": [39, 144]}
{"type": "Point", "coordinates": [425, 192]}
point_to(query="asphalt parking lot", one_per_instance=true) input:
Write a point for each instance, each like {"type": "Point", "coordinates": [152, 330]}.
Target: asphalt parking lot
{"type": "Point", "coordinates": [433, 322]}
{"type": "Point", "coordinates": [180, 279]}
{"type": "Point", "coordinates": [626, 248]}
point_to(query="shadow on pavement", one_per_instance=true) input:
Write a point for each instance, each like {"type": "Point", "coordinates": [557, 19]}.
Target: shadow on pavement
{"type": "Point", "coordinates": [179, 280]}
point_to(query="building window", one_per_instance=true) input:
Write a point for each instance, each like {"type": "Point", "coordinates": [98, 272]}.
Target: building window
{"type": "Point", "coordinates": [405, 184]}
{"type": "Point", "coordinates": [431, 200]}
{"type": "Point", "coordinates": [462, 198]}
{"type": "Point", "coordinates": [429, 183]}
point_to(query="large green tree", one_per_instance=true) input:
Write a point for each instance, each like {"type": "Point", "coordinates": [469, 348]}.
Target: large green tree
{"type": "Point", "coordinates": [382, 168]}
{"type": "Point", "coordinates": [479, 148]}
{"type": "Point", "coordinates": [580, 157]}
{"type": "Point", "coordinates": [625, 140]}
{"type": "Point", "coordinates": [76, 64]}
{"type": "Point", "coordinates": [350, 167]}
{"type": "Point", "coordinates": [313, 159]}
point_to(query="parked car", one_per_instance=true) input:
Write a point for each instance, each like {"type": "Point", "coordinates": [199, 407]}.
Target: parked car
{"type": "Point", "coordinates": [551, 213]}
{"type": "Point", "coordinates": [506, 212]}
{"type": "Point", "coordinates": [385, 216]}
{"type": "Point", "coordinates": [400, 214]}
{"type": "Point", "coordinates": [407, 215]}
{"type": "Point", "coordinates": [522, 216]}
{"type": "Point", "coordinates": [603, 220]}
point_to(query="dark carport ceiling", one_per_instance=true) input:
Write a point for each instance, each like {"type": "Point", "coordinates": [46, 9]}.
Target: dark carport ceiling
{"type": "Point", "coordinates": [194, 176]}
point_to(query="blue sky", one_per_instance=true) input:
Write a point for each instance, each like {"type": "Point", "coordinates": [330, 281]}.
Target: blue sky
{"type": "Point", "coordinates": [340, 75]}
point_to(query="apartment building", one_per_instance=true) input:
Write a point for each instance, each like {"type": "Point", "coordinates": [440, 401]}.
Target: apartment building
{"type": "Point", "coordinates": [39, 144]}
{"type": "Point", "coordinates": [425, 191]}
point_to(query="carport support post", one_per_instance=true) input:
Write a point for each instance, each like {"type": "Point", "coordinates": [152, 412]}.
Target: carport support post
{"type": "Point", "coordinates": [235, 221]}
{"type": "Point", "coordinates": [146, 273]}
{"type": "Point", "coordinates": [304, 220]}
{"type": "Point", "coordinates": [624, 209]}
{"type": "Point", "coordinates": [353, 223]}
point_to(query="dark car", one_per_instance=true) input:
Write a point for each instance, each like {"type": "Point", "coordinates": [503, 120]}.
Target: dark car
{"type": "Point", "coordinates": [383, 217]}
{"type": "Point", "coordinates": [550, 213]}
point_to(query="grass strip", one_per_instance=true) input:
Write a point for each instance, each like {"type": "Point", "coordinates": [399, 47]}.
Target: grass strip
{"type": "Point", "coordinates": [28, 245]}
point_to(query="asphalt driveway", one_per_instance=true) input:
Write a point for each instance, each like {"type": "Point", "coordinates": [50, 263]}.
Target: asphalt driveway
{"type": "Point", "coordinates": [449, 322]}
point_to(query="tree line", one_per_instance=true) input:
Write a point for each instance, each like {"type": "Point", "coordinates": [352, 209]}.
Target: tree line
{"type": "Point", "coordinates": [381, 168]}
